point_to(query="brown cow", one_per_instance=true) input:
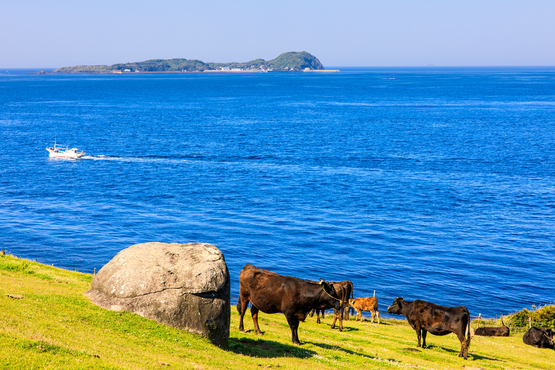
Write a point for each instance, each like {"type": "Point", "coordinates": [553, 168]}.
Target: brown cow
{"type": "Point", "coordinates": [272, 293]}
{"type": "Point", "coordinates": [439, 320]}
{"type": "Point", "coordinates": [368, 304]}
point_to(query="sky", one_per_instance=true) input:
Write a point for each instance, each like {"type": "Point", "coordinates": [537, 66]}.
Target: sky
{"type": "Point", "coordinates": [373, 33]}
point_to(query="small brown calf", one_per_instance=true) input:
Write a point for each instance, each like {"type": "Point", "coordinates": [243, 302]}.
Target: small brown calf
{"type": "Point", "coordinates": [369, 304]}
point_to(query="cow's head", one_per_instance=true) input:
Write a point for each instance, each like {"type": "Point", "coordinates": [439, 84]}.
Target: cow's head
{"type": "Point", "coordinates": [351, 301]}
{"type": "Point", "coordinates": [548, 340]}
{"type": "Point", "coordinates": [342, 293]}
{"type": "Point", "coordinates": [396, 306]}
{"type": "Point", "coordinates": [334, 300]}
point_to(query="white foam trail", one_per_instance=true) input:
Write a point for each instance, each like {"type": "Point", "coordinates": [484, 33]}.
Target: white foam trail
{"type": "Point", "coordinates": [101, 158]}
{"type": "Point", "coordinates": [132, 159]}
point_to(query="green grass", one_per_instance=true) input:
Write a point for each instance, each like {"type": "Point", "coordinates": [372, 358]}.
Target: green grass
{"type": "Point", "coordinates": [56, 327]}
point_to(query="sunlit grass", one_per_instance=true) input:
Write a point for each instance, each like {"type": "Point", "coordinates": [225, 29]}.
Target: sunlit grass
{"type": "Point", "coordinates": [55, 326]}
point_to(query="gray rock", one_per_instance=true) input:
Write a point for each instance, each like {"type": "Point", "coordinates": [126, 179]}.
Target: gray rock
{"type": "Point", "coordinates": [181, 285]}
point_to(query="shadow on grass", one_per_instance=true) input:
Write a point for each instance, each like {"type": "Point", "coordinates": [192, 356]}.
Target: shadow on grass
{"type": "Point", "coordinates": [375, 323]}
{"type": "Point", "coordinates": [478, 357]}
{"type": "Point", "coordinates": [474, 356]}
{"type": "Point", "coordinates": [410, 349]}
{"type": "Point", "coordinates": [348, 351]}
{"type": "Point", "coordinates": [434, 347]}
{"type": "Point", "coordinates": [267, 348]}
{"type": "Point", "coordinates": [347, 329]}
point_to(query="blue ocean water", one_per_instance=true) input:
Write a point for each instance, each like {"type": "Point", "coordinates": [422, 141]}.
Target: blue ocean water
{"type": "Point", "coordinates": [426, 183]}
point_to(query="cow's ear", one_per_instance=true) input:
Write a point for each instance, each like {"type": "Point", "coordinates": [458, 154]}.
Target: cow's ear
{"type": "Point", "coordinates": [322, 281]}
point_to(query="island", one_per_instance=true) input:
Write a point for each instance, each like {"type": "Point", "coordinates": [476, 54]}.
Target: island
{"type": "Point", "coordinates": [286, 62]}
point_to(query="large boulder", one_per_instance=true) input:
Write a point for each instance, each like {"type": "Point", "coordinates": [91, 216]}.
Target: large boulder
{"type": "Point", "coordinates": [181, 285]}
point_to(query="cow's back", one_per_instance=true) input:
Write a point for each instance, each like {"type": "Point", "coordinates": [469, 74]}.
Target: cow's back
{"type": "Point", "coordinates": [431, 310]}
{"type": "Point", "coordinates": [252, 277]}
{"type": "Point", "coordinates": [371, 304]}
{"type": "Point", "coordinates": [265, 289]}
{"type": "Point", "coordinates": [365, 304]}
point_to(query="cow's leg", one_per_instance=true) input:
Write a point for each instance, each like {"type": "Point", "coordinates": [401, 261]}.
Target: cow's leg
{"type": "Point", "coordinates": [378, 314]}
{"type": "Point", "coordinates": [337, 314]}
{"type": "Point", "coordinates": [424, 332]}
{"type": "Point", "coordinates": [464, 347]}
{"type": "Point", "coordinates": [312, 312]}
{"type": "Point", "coordinates": [462, 340]}
{"type": "Point", "coordinates": [317, 316]}
{"type": "Point", "coordinates": [293, 322]}
{"type": "Point", "coordinates": [242, 307]}
{"type": "Point", "coordinates": [418, 335]}
{"type": "Point", "coordinates": [359, 315]}
{"type": "Point", "coordinates": [254, 312]}
{"type": "Point", "coordinates": [373, 315]}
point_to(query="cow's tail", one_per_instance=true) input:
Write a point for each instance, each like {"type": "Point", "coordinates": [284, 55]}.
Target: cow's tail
{"type": "Point", "coordinates": [239, 305]}
{"type": "Point", "coordinates": [351, 310]}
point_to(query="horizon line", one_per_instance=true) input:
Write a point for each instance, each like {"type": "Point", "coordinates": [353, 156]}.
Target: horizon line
{"type": "Point", "coordinates": [362, 66]}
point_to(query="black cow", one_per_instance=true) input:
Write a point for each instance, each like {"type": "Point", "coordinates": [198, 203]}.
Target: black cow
{"type": "Point", "coordinates": [539, 337]}
{"type": "Point", "coordinates": [439, 320]}
{"type": "Point", "coordinates": [272, 293]}
{"type": "Point", "coordinates": [493, 331]}
{"type": "Point", "coordinates": [344, 289]}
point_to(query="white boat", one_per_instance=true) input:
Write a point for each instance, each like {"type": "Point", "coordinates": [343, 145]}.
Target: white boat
{"type": "Point", "coordinates": [64, 152]}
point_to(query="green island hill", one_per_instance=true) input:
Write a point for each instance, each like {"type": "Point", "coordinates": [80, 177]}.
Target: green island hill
{"type": "Point", "coordinates": [286, 62]}
{"type": "Point", "coordinates": [47, 323]}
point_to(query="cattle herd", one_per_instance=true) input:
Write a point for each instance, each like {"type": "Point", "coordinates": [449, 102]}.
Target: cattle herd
{"type": "Point", "coordinates": [296, 298]}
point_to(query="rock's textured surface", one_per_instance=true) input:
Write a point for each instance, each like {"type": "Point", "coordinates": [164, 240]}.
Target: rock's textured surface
{"type": "Point", "coordinates": [181, 285]}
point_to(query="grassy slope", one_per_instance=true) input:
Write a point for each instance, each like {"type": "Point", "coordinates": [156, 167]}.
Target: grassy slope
{"type": "Point", "coordinates": [55, 326]}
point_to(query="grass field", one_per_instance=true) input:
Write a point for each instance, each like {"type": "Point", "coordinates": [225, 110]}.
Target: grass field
{"type": "Point", "coordinates": [47, 323]}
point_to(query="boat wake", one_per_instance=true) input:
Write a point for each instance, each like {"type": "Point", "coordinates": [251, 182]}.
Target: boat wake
{"type": "Point", "coordinates": [133, 159]}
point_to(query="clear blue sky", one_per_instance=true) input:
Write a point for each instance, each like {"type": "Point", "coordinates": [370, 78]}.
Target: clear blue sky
{"type": "Point", "coordinates": [57, 33]}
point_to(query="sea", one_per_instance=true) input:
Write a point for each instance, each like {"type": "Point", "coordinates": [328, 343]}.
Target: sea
{"type": "Point", "coordinates": [428, 183]}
